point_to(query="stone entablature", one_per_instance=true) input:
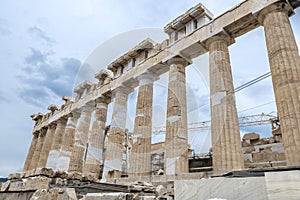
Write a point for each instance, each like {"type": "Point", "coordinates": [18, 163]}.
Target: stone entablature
{"type": "Point", "coordinates": [132, 58]}
{"type": "Point", "coordinates": [185, 24]}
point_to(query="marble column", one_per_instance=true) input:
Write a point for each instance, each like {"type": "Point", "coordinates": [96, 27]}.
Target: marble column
{"type": "Point", "coordinates": [284, 62]}
{"type": "Point", "coordinates": [115, 139]}
{"type": "Point", "coordinates": [140, 157]}
{"type": "Point", "coordinates": [47, 146]}
{"type": "Point", "coordinates": [95, 149]}
{"type": "Point", "coordinates": [81, 138]}
{"type": "Point", "coordinates": [56, 144]}
{"type": "Point", "coordinates": [225, 131]}
{"type": "Point", "coordinates": [176, 145]}
{"type": "Point", "coordinates": [30, 152]}
{"type": "Point", "coordinates": [38, 149]}
{"type": "Point", "coordinates": [67, 142]}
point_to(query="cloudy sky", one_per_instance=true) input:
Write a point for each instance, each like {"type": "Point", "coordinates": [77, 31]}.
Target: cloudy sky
{"type": "Point", "coordinates": [44, 43]}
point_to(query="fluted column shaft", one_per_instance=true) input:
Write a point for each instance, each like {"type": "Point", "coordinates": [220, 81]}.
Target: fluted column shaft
{"type": "Point", "coordinates": [30, 152]}
{"type": "Point", "coordinates": [38, 149]}
{"type": "Point", "coordinates": [284, 62]}
{"type": "Point", "coordinates": [68, 141]}
{"type": "Point", "coordinates": [225, 132]}
{"type": "Point", "coordinates": [115, 139]}
{"type": "Point", "coordinates": [96, 140]}
{"type": "Point", "coordinates": [140, 158]}
{"type": "Point", "coordinates": [56, 144]}
{"type": "Point", "coordinates": [81, 138]}
{"type": "Point", "coordinates": [176, 145]}
{"type": "Point", "coordinates": [46, 146]}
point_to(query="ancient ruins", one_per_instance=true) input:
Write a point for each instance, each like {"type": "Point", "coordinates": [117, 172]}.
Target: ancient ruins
{"type": "Point", "coordinates": [72, 145]}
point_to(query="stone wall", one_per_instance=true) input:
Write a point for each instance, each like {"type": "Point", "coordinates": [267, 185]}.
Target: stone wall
{"type": "Point", "coordinates": [263, 152]}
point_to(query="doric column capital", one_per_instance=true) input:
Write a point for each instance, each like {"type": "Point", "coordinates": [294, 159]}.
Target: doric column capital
{"type": "Point", "coordinates": [219, 36]}
{"type": "Point", "coordinates": [88, 107]}
{"type": "Point", "coordinates": [178, 60]}
{"type": "Point", "coordinates": [277, 7]}
{"type": "Point", "coordinates": [61, 121]}
{"type": "Point", "coordinates": [147, 78]}
{"type": "Point", "coordinates": [75, 113]}
{"type": "Point", "coordinates": [103, 100]}
{"type": "Point", "coordinates": [35, 134]}
{"type": "Point", "coordinates": [51, 126]}
{"type": "Point", "coordinates": [122, 89]}
{"type": "Point", "coordinates": [43, 131]}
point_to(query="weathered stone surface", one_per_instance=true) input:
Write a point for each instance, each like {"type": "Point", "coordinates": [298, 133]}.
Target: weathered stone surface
{"type": "Point", "coordinates": [225, 131]}
{"type": "Point", "coordinates": [284, 62]}
{"type": "Point", "coordinates": [68, 142]}
{"type": "Point", "coordinates": [74, 176]}
{"type": "Point", "coordinates": [60, 174]}
{"type": "Point", "coordinates": [160, 191]}
{"type": "Point", "coordinates": [33, 183]}
{"type": "Point", "coordinates": [176, 145]}
{"type": "Point", "coordinates": [16, 195]}
{"type": "Point", "coordinates": [283, 185]}
{"type": "Point", "coordinates": [94, 157]}
{"type": "Point", "coordinates": [116, 137]}
{"type": "Point", "coordinates": [109, 196]}
{"type": "Point", "coordinates": [55, 194]}
{"type": "Point", "coordinates": [41, 194]}
{"type": "Point", "coordinates": [249, 150]}
{"type": "Point", "coordinates": [45, 172]}
{"type": "Point", "coordinates": [81, 138]}
{"type": "Point", "coordinates": [222, 188]}
{"type": "Point", "coordinates": [46, 146]}
{"type": "Point", "coordinates": [30, 152]}
{"type": "Point", "coordinates": [56, 144]}
{"type": "Point", "coordinates": [141, 186]}
{"type": "Point", "coordinates": [264, 155]}
{"type": "Point", "coordinates": [90, 177]}
{"type": "Point", "coordinates": [14, 176]}
{"type": "Point", "coordinates": [140, 156]}
{"type": "Point", "coordinates": [251, 136]}
{"type": "Point", "coordinates": [5, 186]}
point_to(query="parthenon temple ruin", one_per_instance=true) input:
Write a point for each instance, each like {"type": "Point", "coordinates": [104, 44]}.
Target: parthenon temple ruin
{"type": "Point", "coordinates": [72, 143]}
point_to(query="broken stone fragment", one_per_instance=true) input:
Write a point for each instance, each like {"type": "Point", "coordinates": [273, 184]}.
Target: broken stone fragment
{"type": "Point", "coordinates": [74, 176]}
{"type": "Point", "coordinates": [249, 150]}
{"type": "Point", "coordinates": [14, 176]}
{"type": "Point", "coordinates": [61, 174]}
{"type": "Point", "coordinates": [5, 186]}
{"type": "Point", "coordinates": [52, 108]}
{"type": "Point", "coordinates": [45, 172]}
{"type": "Point", "coordinates": [160, 191]}
{"type": "Point", "coordinates": [251, 136]}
